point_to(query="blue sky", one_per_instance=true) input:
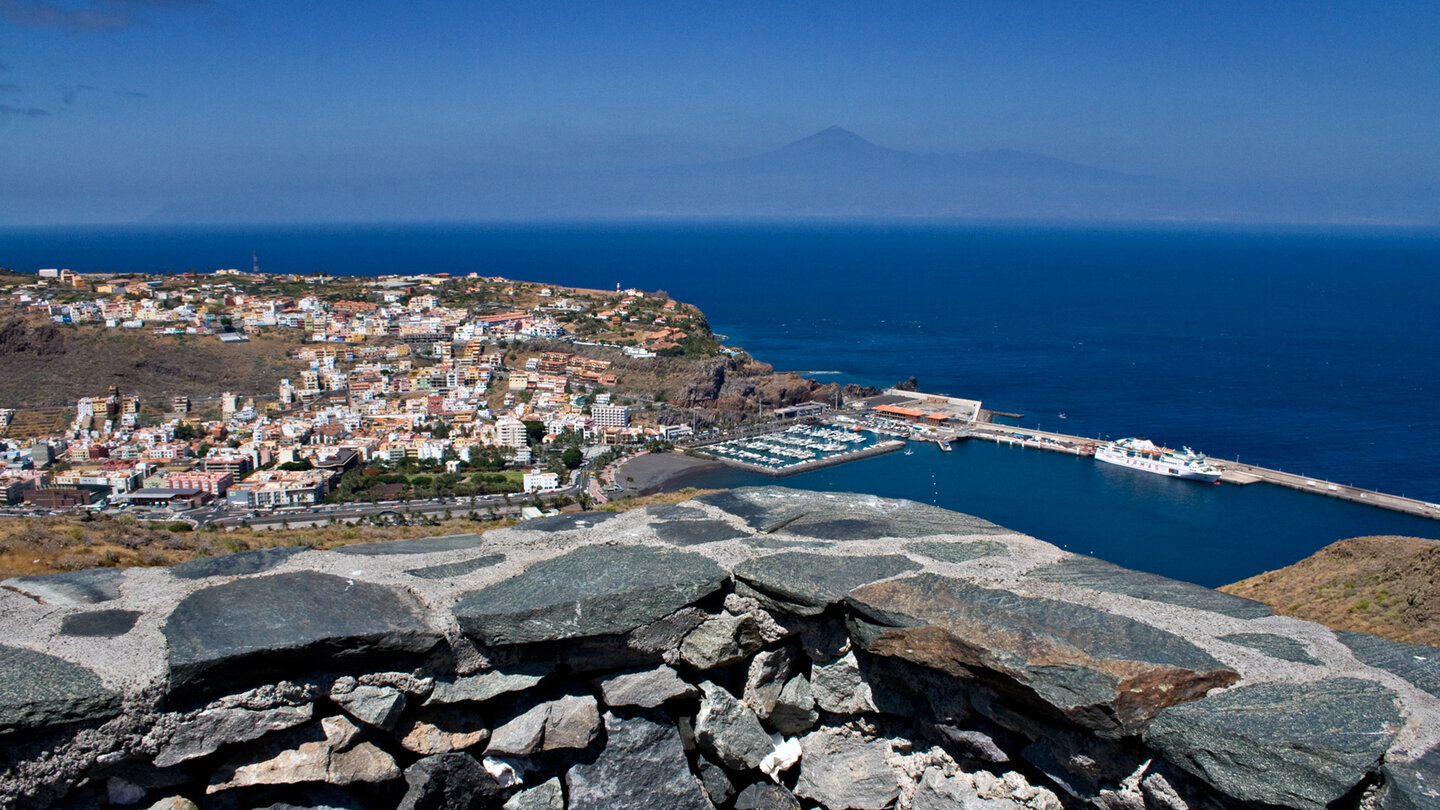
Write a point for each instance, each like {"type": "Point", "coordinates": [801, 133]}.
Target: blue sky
{"type": "Point", "coordinates": [112, 108]}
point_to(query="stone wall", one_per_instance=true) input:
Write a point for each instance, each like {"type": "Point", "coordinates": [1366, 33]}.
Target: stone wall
{"type": "Point", "coordinates": [762, 648]}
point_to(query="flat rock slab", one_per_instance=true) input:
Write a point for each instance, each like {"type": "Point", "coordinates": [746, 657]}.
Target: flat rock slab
{"type": "Point", "coordinates": [457, 569]}
{"type": "Point", "coordinates": [1282, 647]}
{"type": "Point", "coordinates": [641, 767]}
{"type": "Point", "coordinates": [248, 628]}
{"type": "Point", "coordinates": [488, 684]}
{"type": "Point", "coordinates": [1413, 784]}
{"type": "Point", "coordinates": [233, 565]}
{"type": "Point", "coordinates": [567, 523]}
{"type": "Point", "coordinates": [810, 582]}
{"type": "Point", "coordinates": [38, 690]}
{"type": "Point", "coordinates": [1098, 575]}
{"type": "Point", "coordinates": [834, 516]}
{"type": "Point", "coordinates": [960, 551]}
{"type": "Point", "coordinates": [420, 545]}
{"type": "Point", "coordinates": [71, 588]}
{"type": "Point", "coordinates": [1418, 664]}
{"type": "Point", "coordinates": [674, 511]}
{"type": "Point", "coordinates": [1105, 672]}
{"type": "Point", "coordinates": [598, 590]}
{"type": "Point", "coordinates": [99, 623]}
{"type": "Point", "coordinates": [696, 532]}
{"type": "Point", "coordinates": [1291, 745]}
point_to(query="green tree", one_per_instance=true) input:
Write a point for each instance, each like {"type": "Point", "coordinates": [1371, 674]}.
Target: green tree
{"type": "Point", "coordinates": [572, 458]}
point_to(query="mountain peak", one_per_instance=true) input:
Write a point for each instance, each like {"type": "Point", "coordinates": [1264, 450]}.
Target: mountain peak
{"type": "Point", "coordinates": [832, 139]}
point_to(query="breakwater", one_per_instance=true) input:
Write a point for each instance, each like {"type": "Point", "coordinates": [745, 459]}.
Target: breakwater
{"type": "Point", "coordinates": [755, 648]}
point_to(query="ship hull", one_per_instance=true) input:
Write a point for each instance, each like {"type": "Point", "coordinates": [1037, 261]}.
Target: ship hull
{"type": "Point", "coordinates": [1160, 466]}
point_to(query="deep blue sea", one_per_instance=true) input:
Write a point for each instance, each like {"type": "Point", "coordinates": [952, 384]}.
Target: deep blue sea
{"type": "Point", "coordinates": [1310, 350]}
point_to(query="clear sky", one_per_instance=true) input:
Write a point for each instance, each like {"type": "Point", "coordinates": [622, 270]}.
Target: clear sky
{"type": "Point", "coordinates": [111, 108]}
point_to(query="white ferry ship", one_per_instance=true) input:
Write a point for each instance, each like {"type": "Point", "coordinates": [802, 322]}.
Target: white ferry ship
{"type": "Point", "coordinates": [1142, 454]}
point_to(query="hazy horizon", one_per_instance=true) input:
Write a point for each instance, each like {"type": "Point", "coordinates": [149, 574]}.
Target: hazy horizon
{"type": "Point", "coordinates": [117, 111]}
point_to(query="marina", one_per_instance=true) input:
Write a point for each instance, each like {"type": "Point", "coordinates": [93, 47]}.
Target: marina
{"type": "Point", "coordinates": [799, 448]}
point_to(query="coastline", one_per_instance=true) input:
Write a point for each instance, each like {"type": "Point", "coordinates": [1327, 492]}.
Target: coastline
{"type": "Point", "coordinates": [650, 473]}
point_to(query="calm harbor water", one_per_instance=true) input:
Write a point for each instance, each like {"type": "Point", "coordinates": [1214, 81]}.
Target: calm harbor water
{"type": "Point", "coordinates": [1305, 349]}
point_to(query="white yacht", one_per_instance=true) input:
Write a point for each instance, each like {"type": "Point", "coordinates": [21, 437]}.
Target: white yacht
{"type": "Point", "coordinates": [1143, 454]}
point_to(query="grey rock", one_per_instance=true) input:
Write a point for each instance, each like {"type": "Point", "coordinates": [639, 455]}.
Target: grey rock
{"type": "Point", "coordinates": [806, 583]}
{"type": "Point", "coordinates": [1106, 672]}
{"type": "Point", "coordinates": [592, 591]}
{"type": "Point", "coordinates": [839, 688]}
{"type": "Point", "coordinates": [99, 623]}
{"type": "Point", "coordinates": [37, 689]}
{"type": "Point", "coordinates": [1057, 767]}
{"type": "Point", "coordinates": [646, 688]}
{"type": "Point", "coordinates": [456, 570]}
{"type": "Point", "coordinates": [420, 545]}
{"type": "Point", "coordinates": [778, 544]}
{"type": "Point", "coordinates": [122, 792]}
{"type": "Point", "coordinates": [488, 684]}
{"type": "Point", "coordinates": [379, 706]}
{"type": "Point", "coordinates": [1098, 575]}
{"type": "Point", "coordinates": [794, 711]}
{"type": "Point", "coordinates": [1412, 784]}
{"type": "Point", "coordinates": [544, 796]}
{"type": "Point", "coordinates": [936, 791]}
{"type": "Point", "coordinates": [641, 767]}
{"type": "Point", "coordinates": [974, 744]}
{"type": "Point", "coordinates": [449, 782]}
{"type": "Point", "coordinates": [766, 796]}
{"type": "Point", "coordinates": [839, 516]}
{"type": "Point", "coordinates": [1160, 793]}
{"type": "Point", "coordinates": [1286, 649]}
{"type": "Point", "coordinates": [715, 780]}
{"type": "Point", "coordinates": [766, 678]}
{"type": "Point", "coordinates": [960, 551]}
{"type": "Point", "coordinates": [71, 588]}
{"type": "Point", "coordinates": [248, 628]}
{"type": "Point", "coordinates": [696, 532]}
{"type": "Point", "coordinates": [673, 511]}
{"type": "Point", "coordinates": [729, 731]}
{"type": "Point", "coordinates": [209, 730]}
{"type": "Point", "coordinates": [1294, 745]}
{"type": "Point", "coordinates": [174, 803]}
{"type": "Point", "coordinates": [1416, 663]}
{"type": "Point", "coordinates": [722, 640]}
{"type": "Point", "coordinates": [567, 523]}
{"type": "Point", "coordinates": [572, 721]}
{"type": "Point", "coordinates": [234, 565]}
{"type": "Point", "coordinates": [844, 772]}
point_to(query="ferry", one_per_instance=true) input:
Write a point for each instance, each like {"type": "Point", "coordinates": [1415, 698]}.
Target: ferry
{"type": "Point", "coordinates": [1142, 454]}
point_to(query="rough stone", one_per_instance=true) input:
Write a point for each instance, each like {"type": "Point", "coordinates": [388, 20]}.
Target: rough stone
{"type": "Point", "coordinates": [441, 731]}
{"type": "Point", "coordinates": [591, 591]}
{"type": "Point", "coordinates": [807, 583]}
{"type": "Point", "coordinates": [1106, 672]}
{"type": "Point", "coordinates": [715, 780]}
{"type": "Point", "coordinates": [1293, 745]}
{"type": "Point", "coordinates": [1285, 649]}
{"type": "Point", "coordinates": [488, 684]}
{"type": "Point", "coordinates": [961, 551]}
{"type": "Point", "coordinates": [839, 516]}
{"type": "Point", "coordinates": [696, 532]}
{"type": "Point", "coordinates": [37, 689]}
{"type": "Point", "coordinates": [456, 570]}
{"type": "Point", "coordinates": [547, 795]}
{"type": "Point", "coordinates": [838, 687]}
{"type": "Point", "coordinates": [174, 803]}
{"type": "Point", "coordinates": [339, 758]}
{"type": "Point", "coordinates": [379, 706]}
{"type": "Point", "coordinates": [71, 588]}
{"type": "Point", "coordinates": [729, 731]}
{"type": "Point", "coordinates": [766, 796]}
{"type": "Point", "coordinates": [641, 767]}
{"type": "Point", "coordinates": [1418, 664]}
{"type": "Point", "coordinates": [646, 688]}
{"type": "Point", "coordinates": [974, 744]}
{"type": "Point", "coordinates": [522, 734]}
{"type": "Point", "coordinates": [122, 792]}
{"type": "Point", "coordinates": [936, 791]}
{"type": "Point", "coordinates": [209, 730]}
{"type": "Point", "coordinates": [794, 711]}
{"type": "Point", "coordinates": [844, 772]}
{"type": "Point", "coordinates": [1412, 784]}
{"type": "Point", "coordinates": [766, 678]}
{"type": "Point", "coordinates": [99, 623]}
{"type": "Point", "coordinates": [572, 721]}
{"type": "Point", "coordinates": [419, 545]}
{"type": "Point", "coordinates": [722, 640]}
{"type": "Point", "coordinates": [234, 565]}
{"type": "Point", "coordinates": [1098, 575]}
{"type": "Point", "coordinates": [449, 782]}
{"type": "Point", "coordinates": [248, 628]}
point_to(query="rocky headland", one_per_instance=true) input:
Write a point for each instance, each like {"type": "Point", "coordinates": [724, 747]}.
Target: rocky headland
{"type": "Point", "coordinates": [760, 648]}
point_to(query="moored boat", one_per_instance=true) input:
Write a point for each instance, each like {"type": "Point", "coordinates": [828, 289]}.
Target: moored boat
{"type": "Point", "coordinates": [1143, 454]}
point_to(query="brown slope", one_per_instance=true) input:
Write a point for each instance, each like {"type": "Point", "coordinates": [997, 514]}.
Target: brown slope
{"type": "Point", "coordinates": [1388, 586]}
{"type": "Point", "coordinates": [42, 364]}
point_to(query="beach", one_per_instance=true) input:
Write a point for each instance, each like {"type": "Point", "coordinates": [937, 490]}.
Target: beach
{"type": "Point", "coordinates": [649, 473]}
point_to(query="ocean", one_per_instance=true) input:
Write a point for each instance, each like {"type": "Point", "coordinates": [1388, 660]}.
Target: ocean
{"type": "Point", "coordinates": [1312, 350]}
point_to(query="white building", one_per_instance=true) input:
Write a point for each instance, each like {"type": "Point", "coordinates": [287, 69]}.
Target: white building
{"type": "Point", "coordinates": [607, 416]}
{"type": "Point", "coordinates": [538, 481]}
{"type": "Point", "coordinates": [510, 432]}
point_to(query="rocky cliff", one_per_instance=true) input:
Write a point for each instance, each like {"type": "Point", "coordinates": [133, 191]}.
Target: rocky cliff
{"type": "Point", "coordinates": [761, 648]}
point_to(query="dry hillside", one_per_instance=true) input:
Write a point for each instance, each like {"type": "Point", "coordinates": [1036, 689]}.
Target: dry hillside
{"type": "Point", "coordinates": [1388, 586]}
